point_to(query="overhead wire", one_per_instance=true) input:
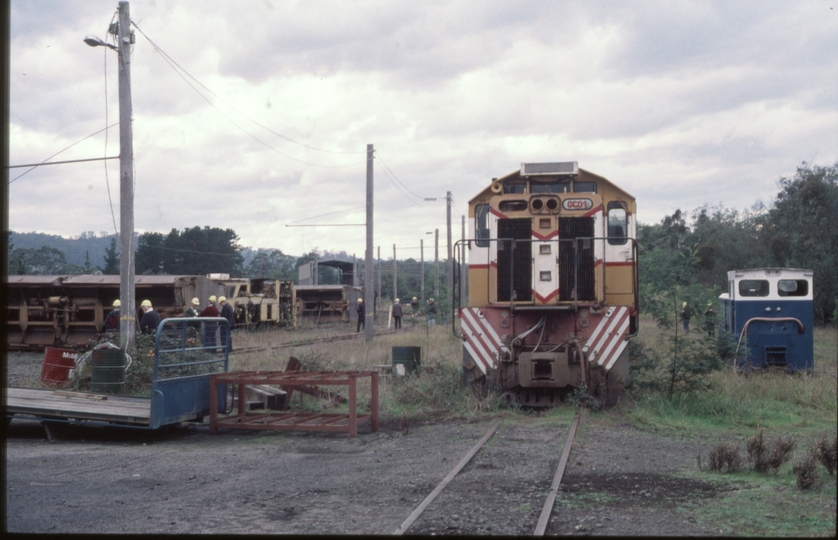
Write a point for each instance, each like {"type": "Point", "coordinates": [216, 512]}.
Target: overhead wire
{"type": "Point", "coordinates": [45, 162]}
{"type": "Point", "coordinates": [180, 71]}
{"type": "Point", "coordinates": [387, 171]}
{"type": "Point", "coordinates": [329, 214]}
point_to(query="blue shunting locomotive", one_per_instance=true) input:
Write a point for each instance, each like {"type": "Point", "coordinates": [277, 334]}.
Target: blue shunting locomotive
{"type": "Point", "coordinates": [769, 312]}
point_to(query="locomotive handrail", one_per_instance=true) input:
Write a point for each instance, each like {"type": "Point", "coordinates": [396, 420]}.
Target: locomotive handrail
{"type": "Point", "coordinates": [801, 329]}
{"type": "Point", "coordinates": [460, 246]}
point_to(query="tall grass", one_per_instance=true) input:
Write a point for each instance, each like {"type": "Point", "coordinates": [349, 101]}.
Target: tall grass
{"type": "Point", "coordinates": [738, 402]}
{"type": "Point", "coordinates": [436, 389]}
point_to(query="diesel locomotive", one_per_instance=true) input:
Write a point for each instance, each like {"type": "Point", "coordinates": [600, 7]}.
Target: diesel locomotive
{"type": "Point", "coordinates": [552, 285]}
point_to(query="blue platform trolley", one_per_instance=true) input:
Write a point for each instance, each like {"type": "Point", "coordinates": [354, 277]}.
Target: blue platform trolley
{"type": "Point", "coordinates": [768, 311]}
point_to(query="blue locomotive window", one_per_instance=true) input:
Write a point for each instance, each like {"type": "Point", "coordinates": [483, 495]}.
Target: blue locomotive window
{"type": "Point", "coordinates": [584, 187]}
{"type": "Point", "coordinates": [753, 287]}
{"type": "Point", "coordinates": [793, 287]}
{"type": "Point", "coordinates": [617, 224]}
{"type": "Point", "coordinates": [481, 225]}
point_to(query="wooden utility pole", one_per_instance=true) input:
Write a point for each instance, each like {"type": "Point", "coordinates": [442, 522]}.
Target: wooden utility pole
{"type": "Point", "coordinates": [450, 280]}
{"type": "Point", "coordinates": [369, 298]}
{"type": "Point", "coordinates": [128, 309]}
{"type": "Point", "coordinates": [436, 265]}
{"type": "Point", "coordinates": [379, 278]}
{"type": "Point", "coordinates": [422, 271]}
{"type": "Point", "coordinates": [395, 275]}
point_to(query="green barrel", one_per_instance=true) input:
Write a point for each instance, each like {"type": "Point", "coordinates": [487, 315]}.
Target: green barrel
{"type": "Point", "coordinates": [107, 371]}
{"type": "Point", "coordinates": [408, 357]}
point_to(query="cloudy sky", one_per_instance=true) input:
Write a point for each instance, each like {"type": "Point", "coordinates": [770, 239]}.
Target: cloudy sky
{"type": "Point", "coordinates": [255, 115]}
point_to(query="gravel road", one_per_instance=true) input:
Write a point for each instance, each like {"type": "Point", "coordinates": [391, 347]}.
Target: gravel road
{"type": "Point", "coordinates": [109, 480]}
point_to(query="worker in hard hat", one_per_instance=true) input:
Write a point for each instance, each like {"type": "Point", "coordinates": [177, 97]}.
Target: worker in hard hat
{"type": "Point", "coordinates": [228, 313]}
{"type": "Point", "coordinates": [414, 306]}
{"type": "Point", "coordinates": [361, 310]}
{"type": "Point", "coordinates": [112, 320]}
{"type": "Point", "coordinates": [431, 311]}
{"type": "Point", "coordinates": [397, 315]}
{"type": "Point", "coordinates": [150, 320]}
{"type": "Point", "coordinates": [192, 310]}
{"type": "Point", "coordinates": [710, 319]}
{"type": "Point", "coordinates": [210, 327]}
{"type": "Point", "coordinates": [211, 310]}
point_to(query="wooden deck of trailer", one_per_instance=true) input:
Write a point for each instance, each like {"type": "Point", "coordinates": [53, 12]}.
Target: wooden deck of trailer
{"type": "Point", "coordinates": [62, 404]}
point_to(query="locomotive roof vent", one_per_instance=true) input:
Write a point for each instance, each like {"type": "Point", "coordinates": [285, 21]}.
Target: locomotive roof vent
{"type": "Point", "coordinates": [564, 168]}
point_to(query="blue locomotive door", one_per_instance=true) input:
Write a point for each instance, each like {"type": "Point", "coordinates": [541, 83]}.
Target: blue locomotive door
{"type": "Point", "coordinates": [514, 259]}
{"type": "Point", "coordinates": [576, 259]}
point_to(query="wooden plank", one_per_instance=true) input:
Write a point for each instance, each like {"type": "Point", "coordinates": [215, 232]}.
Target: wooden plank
{"type": "Point", "coordinates": [97, 397]}
{"type": "Point", "coordinates": [40, 402]}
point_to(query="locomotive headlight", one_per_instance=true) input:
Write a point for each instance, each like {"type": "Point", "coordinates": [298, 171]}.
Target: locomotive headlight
{"type": "Point", "coordinates": [537, 204]}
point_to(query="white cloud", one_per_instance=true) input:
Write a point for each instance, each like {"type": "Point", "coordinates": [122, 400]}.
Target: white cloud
{"type": "Point", "coordinates": [680, 103]}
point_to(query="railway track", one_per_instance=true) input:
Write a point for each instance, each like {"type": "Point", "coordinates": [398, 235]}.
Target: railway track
{"type": "Point", "coordinates": [302, 343]}
{"type": "Point", "coordinates": [486, 497]}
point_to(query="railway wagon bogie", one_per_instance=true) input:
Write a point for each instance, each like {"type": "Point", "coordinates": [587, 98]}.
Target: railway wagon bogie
{"type": "Point", "coordinates": [552, 297]}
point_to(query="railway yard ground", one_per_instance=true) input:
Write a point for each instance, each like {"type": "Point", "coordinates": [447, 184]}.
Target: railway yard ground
{"type": "Point", "coordinates": [623, 476]}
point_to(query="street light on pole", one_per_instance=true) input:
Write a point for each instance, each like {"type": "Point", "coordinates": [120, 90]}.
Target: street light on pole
{"type": "Point", "coordinates": [128, 311]}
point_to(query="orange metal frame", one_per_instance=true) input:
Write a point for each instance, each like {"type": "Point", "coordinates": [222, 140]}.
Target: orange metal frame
{"type": "Point", "coordinates": [291, 421]}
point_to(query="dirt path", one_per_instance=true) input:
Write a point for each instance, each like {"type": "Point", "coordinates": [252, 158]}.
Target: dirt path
{"type": "Point", "coordinates": [105, 480]}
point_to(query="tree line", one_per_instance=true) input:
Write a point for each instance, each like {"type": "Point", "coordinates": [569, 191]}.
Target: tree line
{"type": "Point", "coordinates": [798, 230]}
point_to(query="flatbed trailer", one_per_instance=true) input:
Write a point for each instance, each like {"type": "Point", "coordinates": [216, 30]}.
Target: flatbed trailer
{"type": "Point", "coordinates": [186, 353]}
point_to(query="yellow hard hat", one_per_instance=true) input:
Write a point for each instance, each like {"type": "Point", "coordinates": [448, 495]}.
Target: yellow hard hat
{"type": "Point", "coordinates": [196, 301]}
{"type": "Point", "coordinates": [684, 304]}
{"type": "Point", "coordinates": [212, 299]}
{"type": "Point", "coordinates": [117, 303]}
{"type": "Point", "coordinates": [146, 303]}
{"type": "Point", "coordinates": [414, 298]}
{"type": "Point", "coordinates": [360, 300]}
{"type": "Point", "coordinates": [222, 298]}
{"type": "Point", "coordinates": [431, 300]}
{"type": "Point", "coordinates": [397, 300]}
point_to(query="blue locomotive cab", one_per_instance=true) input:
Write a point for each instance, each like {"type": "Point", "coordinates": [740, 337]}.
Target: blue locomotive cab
{"type": "Point", "coordinates": [768, 311]}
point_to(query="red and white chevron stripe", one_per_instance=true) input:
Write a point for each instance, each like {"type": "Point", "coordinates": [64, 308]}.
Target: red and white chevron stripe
{"type": "Point", "coordinates": [481, 341]}
{"type": "Point", "coordinates": [608, 340]}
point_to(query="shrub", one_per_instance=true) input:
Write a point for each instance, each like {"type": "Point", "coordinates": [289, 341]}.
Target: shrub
{"type": "Point", "coordinates": [758, 452]}
{"type": "Point", "coordinates": [826, 453]}
{"type": "Point", "coordinates": [780, 452]}
{"type": "Point", "coordinates": [724, 457]}
{"type": "Point", "coordinates": [767, 457]}
{"type": "Point", "coordinates": [806, 471]}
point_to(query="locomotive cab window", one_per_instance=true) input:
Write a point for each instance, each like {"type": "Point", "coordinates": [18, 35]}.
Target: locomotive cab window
{"type": "Point", "coordinates": [753, 287]}
{"type": "Point", "coordinates": [552, 187]}
{"type": "Point", "coordinates": [617, 224]}
{"type": "Point", "coordinates": [514, 187]}
{"type": "Point", "coordinates": [792, 287]}
{"type": "Point", "coordinates": [584, 187]}
{"type": "Point", "coordinates": [481, 225]}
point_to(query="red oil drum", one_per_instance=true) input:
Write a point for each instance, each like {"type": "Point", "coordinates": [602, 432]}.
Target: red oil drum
{"type": "Point", "coordinates": [57, 366]}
